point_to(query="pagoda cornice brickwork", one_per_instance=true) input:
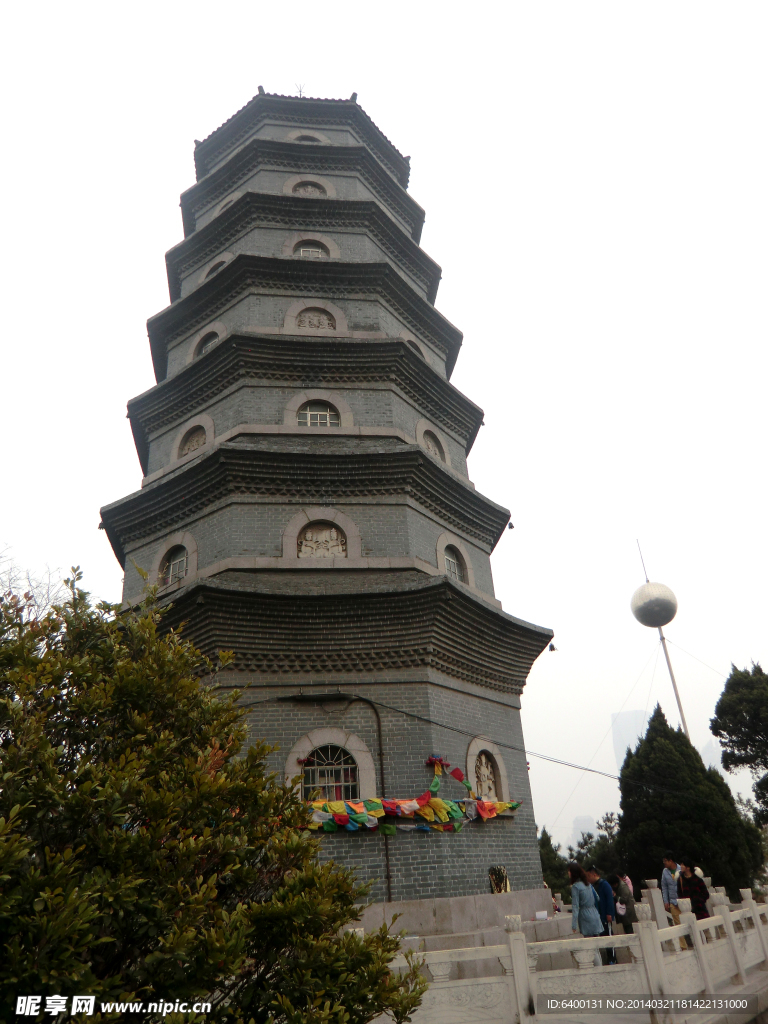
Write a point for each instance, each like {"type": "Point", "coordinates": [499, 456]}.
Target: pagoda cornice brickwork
{"type": "Point", "coordinates": [303, 362]}
{"type": "Point", "coordinates": [235, 472]}
{"type": "Point", "coordinates": [257, 209]}
{"type": "Point", "coordinates": [307, 113]}
{"type": "Point", "coordinates": [266, 154]}
{"type": "Point", "coordinates": [430, 624]}
{"type": "Point", "coordinates": [306, 279]}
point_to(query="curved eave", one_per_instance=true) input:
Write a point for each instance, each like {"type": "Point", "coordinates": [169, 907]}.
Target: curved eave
{"type": "Point", "coordinates": [327, 362]}
{"type": "Point", "coordinates": [437, 625]}
{"type": "Point", "coordinates": [227, 136]}
{"type": "Point", "coordinates": [233, 470]}
{"type": "Point", "coordinates": [256, 209]}
{"type": "Point", "coordinates": [298, 157]}
{"type": "Point", "coordinates": [310, 279]}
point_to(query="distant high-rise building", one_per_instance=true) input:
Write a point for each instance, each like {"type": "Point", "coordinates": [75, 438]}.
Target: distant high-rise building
{"type": "Point", "coordinates": [582, 824]}
{"type": "Point", "coordinates": [627, 728]}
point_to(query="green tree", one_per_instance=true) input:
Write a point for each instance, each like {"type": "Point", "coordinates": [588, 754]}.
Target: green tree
{"type": "Point", "coordinates": [670, 800]}
{"type": "Point", "coordinates": [601, 849]}
{"type": "Point", "coordinates": [741, 725]}
{"type": "Point", "coordinates": [145, 853]}
{"type": "Point", "coordinates": [554, 867]}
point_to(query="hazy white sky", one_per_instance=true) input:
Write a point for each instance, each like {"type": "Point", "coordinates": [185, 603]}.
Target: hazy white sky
{"type": "Point", "coordinates": [594, 176]}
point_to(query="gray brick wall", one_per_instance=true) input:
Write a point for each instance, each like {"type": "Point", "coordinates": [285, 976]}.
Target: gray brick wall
{"type": "Point", "coordinates": [422, 865]}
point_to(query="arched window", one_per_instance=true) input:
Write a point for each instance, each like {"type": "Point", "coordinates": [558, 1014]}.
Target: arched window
{"type": "Point", "coordinates": [487, 783]}
{"type": "Point", "coordinates": [174, 566]}
{"type": "Point", "coordinates": [321, 540]}
{"type": "Point", "coordinates": [306, 138]}
{"type": "Point", "coordinates": [318, 414]}
{"type": "Point", "coordinates": [215, 268]}
{"type": "Point", "coordinates": [206, 344]}
{"type": "Point", "coordinates": [223, 206]}
{"type": "Point", "coordinates": [454, 564]}
{"type": "Point", "coordinates": [433, 446]}
{"type": "Point", "coordinates": [312, 250]}
{"type": "Point", "coordinates": [333, 771]}
{"type": "Point", "coordinates": [316, 319]}
{"type": "Point", "coordinates": [308, 188]}
{"type": "Point", "coordinates": [416, 348]}
{"type": "Point", "coordinates": [193, 440]}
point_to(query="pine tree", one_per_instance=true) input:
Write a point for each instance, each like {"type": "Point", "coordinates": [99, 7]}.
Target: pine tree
{"type": "Point", "coordinates": [671, 801]}
{"type": "Point", "coordinates": [145, 854]}
{"type": "Point", "coordinates": [741, 725]}
{"type": "Point", "coordinates": [554, 867]}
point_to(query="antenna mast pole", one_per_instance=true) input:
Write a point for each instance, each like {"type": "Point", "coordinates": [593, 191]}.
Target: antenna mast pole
{"type": "Point", "coordinates": [674, 684]}
{"type": "Point", "coordinates": [666, 655]}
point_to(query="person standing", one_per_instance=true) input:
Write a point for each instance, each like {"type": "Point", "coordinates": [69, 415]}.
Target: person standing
{"type": "Point", "coordinates": [584, 903]}
{"type": "Point", "coordinates": [669, 885]}
{"type": "Point", "coordinates": [690, 886]}
{"type": "Point", "coordinates": [606, 908]}
{"type": "Point", "coordinates": [622, 892]}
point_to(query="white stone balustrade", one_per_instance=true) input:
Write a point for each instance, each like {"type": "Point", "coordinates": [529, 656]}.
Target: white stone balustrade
{"type": "Point", "coordinates": [725, 954]}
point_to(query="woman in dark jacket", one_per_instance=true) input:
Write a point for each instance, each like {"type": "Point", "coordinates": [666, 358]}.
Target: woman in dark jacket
{"type": "Point", "coordinates": [691, 887]}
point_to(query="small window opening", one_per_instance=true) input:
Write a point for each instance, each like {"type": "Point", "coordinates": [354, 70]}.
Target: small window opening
{"type": "Point", "coordinates": [306, 138]}
{"type": "Point", "coordinates": [312, 250]}
{"type": "Point", "coordinates": [333, 771]}
{"type": "Point", "coordinates": [206, 344]}
{"type": "Point", "coordinates": [215, 268]}
{"type": "Point", "coordinates": [318, 414]}
{"type": "Point", "coordinates": [174, 566]}
{"type": "Point", "coordinates": [454, 565]}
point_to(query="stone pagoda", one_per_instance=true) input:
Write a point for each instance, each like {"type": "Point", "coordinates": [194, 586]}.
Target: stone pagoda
{"type": "Point", "coordinates": [306, 503]}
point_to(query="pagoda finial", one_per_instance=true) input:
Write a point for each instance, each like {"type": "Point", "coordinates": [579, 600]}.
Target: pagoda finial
{"type": "Point", "coordinates": [353, 97]}
{"type": "Point", "coordinates": [261, 90]}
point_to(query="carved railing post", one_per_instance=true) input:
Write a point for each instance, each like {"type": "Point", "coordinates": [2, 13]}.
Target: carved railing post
{"type": "Point", "coordinates": [686, 917]}
{"type": "Point", "coordinates": [585, 958]}
{"type": "Point", "coordinates": [721, 908]}
{"type": "Point", "coordinates": [649, 954]}
{"type": "Point", "coordinates": [522, 985]}
{"type": "Point", "coordinates": [441, 971]}
{"type": "Point", "coordinates": [748, 899]}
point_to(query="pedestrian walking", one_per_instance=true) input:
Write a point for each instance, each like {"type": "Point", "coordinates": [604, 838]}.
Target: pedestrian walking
{"type": "Point", "coordinates": [669, 885]}
{"type": "Point", "coordinates": [623, 894]}
{"type": "Point", "coordinates": [606, 908]}
{"type": "Point", "coordinates": [690, 886]}
{"type": "Point", "coordinates": [584, 903]}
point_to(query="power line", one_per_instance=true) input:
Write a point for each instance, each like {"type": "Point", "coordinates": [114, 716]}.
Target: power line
{"type": "Point", "coordinates": [471, 735]}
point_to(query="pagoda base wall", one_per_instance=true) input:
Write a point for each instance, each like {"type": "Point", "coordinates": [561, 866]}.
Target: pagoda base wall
{"type": "Point", "coordinates": [418, 718]}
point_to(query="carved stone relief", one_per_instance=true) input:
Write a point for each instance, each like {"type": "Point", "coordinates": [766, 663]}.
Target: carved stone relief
{"type": "Point", "coordinates": [318, 319]}
{"type": "Point", "coordinates": [195, 439]}
{"type": "Point", "coordinates": [433, 446]}
{"type": "Point", "coordinates": [322, 540]}
{"type": "Point", "coordinates": [485, 777]}
{"type": "Point", "coordinates": [308, 188]}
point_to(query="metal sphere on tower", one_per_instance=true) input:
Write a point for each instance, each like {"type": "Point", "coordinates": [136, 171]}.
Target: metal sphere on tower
{"type": "Point", "coordinates": [654, 605]}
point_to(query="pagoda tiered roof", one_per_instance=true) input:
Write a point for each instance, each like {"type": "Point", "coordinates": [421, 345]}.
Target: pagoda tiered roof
{"type": "Point", "coordinates": [306, 112]}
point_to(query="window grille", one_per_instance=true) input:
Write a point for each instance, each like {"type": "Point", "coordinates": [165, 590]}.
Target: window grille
{"type": "Point", "coordinates": [315, 254]}
{"type": "Point", "coordinates": [318, 414]}
{"type": "Point", "coordinates": [175, 567]}
{"type": "Point", "coordinates": [207, 344]}
{"type": "Point", "coordinates": [333, 771]}
{"type": "Point", "coordinates": [454, 566]}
